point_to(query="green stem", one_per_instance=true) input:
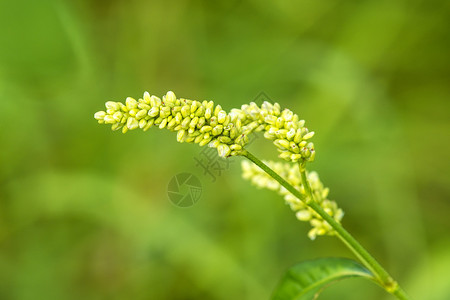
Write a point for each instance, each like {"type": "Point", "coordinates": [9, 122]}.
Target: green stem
{"type": "Point", "coordinates": [382, 277]}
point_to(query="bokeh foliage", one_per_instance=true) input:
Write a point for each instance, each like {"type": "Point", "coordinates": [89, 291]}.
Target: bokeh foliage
{"type": "Point", "coordinates": [84, 212]}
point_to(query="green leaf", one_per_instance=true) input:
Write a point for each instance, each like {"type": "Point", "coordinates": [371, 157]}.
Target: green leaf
{"type": "Point", "coordinates": [305, 280]}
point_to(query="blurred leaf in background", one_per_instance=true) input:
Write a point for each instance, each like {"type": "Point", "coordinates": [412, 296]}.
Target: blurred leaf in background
{"type": "Point", "coordinates": [84, 211]}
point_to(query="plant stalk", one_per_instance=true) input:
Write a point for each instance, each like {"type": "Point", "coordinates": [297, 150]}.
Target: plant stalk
{"type": "Point", "coordinates": [382, 277]}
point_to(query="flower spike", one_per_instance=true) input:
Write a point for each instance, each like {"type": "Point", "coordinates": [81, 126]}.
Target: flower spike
{"type": "Point", "coordinates": [303, 212]}
{"type": "Point", "coordinates": [205, 123]}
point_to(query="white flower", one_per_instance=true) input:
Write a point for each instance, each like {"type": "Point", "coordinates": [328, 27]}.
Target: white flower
{"type": "Point", "coordinates": [291, 174]}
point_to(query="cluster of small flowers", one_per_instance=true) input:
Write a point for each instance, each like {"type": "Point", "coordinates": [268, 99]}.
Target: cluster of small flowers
{"type": "Point", "coordinates": [291, 174]}
{"type": "Point", "coordinates": [195, 122]}
{"type": "Point", "coordinates": [284, 128]}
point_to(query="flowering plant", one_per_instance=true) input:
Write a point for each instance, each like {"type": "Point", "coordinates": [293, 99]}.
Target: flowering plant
{"type": "Point", "coordinates": [205, 123]}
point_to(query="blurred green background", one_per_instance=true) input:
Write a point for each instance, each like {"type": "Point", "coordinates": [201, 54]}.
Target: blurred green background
{"type": "Point", "coordinates": [84, 212]}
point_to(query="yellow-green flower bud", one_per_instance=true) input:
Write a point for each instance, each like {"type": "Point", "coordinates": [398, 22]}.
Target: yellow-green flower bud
{"type": "Point", "coordinates": [224, 139]}
{"type": "Point", "coordinates": [224, 150]}
{"type": "Point", "coordinates": [155, 101]}
{"type": "Point", "coordinates": [290, 134]}
{"type": "Point", "coordinates": [294, 148]}
{"type": "Point", "coordinates": [221, 116]}
{"type": "Point", "coordinates": [185, 111]}
{"type": "Point", "coordinates": [141, 114]}
{"type": "Point", "coordinates": [112, 105]}
{"type": "Point", "coordinates": [146, 98]}
{"type": "Point", "coordinates": [190, 139]}
{"type": "Point", "coordinates": [198, 139]}
{"type": "Point", "coordinates": [208, 113]}
{"type": "Point", "coordinates": [164, 112]}
{"type": "Point", "coordinates": [193, 122]}
{"type": "Point", "coordinates": [154, 112]}
{"type": "Point", "coordinates": [132, 123]}
{"type": "Point", "coordinates": [206, 128]}
{"type": "Point", "coordinates": [286, 155]}
{"type": "Point", "coordinates": [130, 103]}
{"type": "Point", "coordinates": [172, 123]}
{"type": "Point", "coordinates": [194, 106]}
{"type": "Point", "coordinates": [217, 130]}
{"type": "Point", "coordinates": [109, 119]}
{"type": "Point", "coordinates": [163, 123]}
{"type": "Point", "coordinates": [205, 141]}
{"type": "Point", "coordinates": [181, 135]}
{"type": "Point", "coordinates": [282, 144]}
{"type": "Point", "coordinates": [308, 135]}
{"type": "Point", "coordinates": [118, 116]}
{"type": "Point", "coordinates": [142, 123]}
{"type": "Point", "coordinates": [170, 97]}
{"type": "Point", "coordinates": [217, 110]}
{"type": "Point", "coordinates": [116, 126]}
{"type": "Point", "coordinates": [144, 106]}
{"type": "Point", "coordinates": [185, 123]}
{"type": "Point", "coordinates": [100, 115]}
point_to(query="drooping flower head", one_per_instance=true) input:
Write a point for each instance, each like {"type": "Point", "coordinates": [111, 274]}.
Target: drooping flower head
{"type": "Point", "coordinates": [205, 123]}
{"type": "Point", "coordinates": [284, 128]}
